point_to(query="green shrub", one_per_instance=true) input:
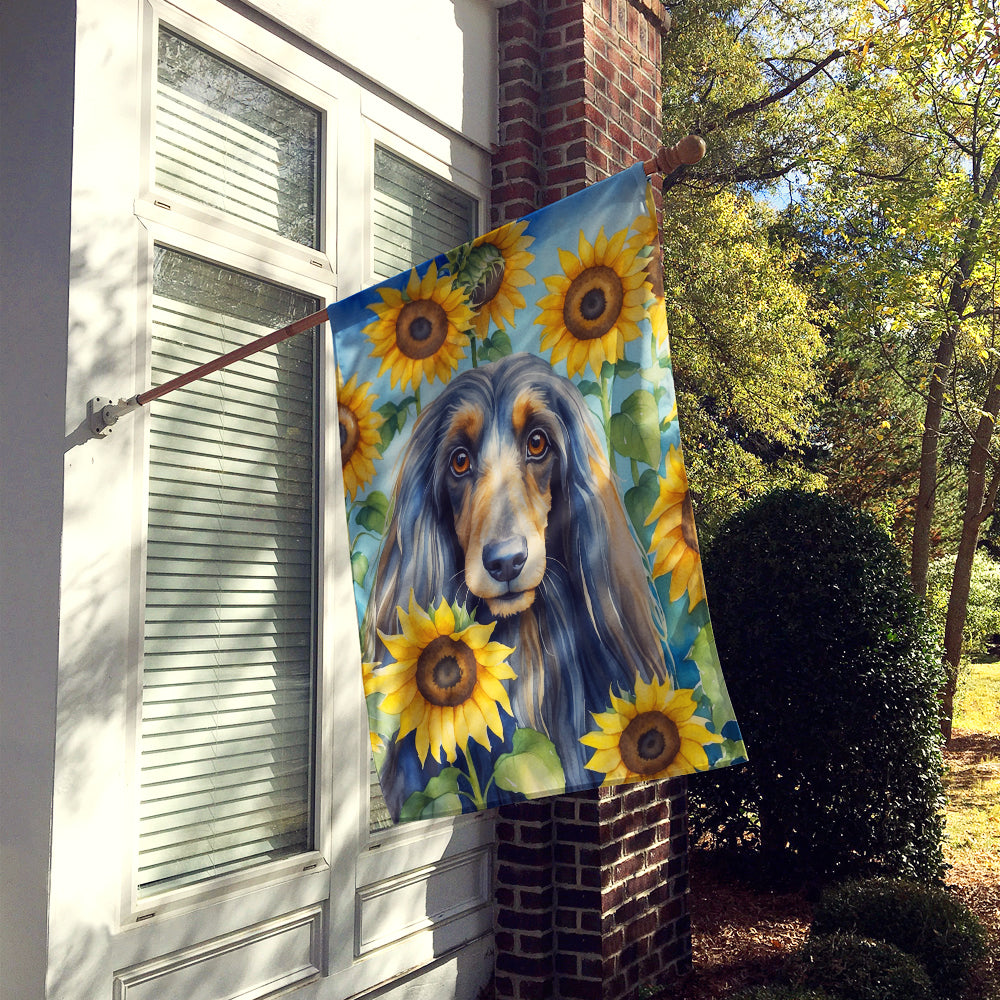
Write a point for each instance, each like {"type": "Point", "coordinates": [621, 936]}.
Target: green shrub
{"type": "Point", "coordinates": [926, 922]}
{"type": "Point", "coordinates": [782, 993]}
{"type": "Point", "coordinates": [856, 968]}
{"type": "Point", "coordinates": [833, 672]}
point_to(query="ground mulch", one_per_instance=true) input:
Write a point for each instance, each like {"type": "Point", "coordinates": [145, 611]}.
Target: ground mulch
{"type": "Point", "coordinates": [743, 934]}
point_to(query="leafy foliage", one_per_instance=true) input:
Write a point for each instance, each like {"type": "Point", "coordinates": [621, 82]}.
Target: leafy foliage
{"type": "Point", "coordinates": [983, 612]}
{"type": "Point", "coordinates": [833, 672]}
{"type": "Point", "coordinates": [782, 992]}
{"type": "Point", "coordinates": [924, 921]}
{"type": "Point", "coordinates": [748, 358]}
{"type": "Point", "coordinates": [877, 127]}
{"type": "Point", "coordinates": [857, 968]}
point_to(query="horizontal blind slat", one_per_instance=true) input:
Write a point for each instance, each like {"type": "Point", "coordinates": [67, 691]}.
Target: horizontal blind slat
{"type": "Point", "coordinates": [228, 646]}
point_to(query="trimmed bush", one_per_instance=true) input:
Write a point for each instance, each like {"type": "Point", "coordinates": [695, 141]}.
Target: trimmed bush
{"type": "Point", "coordinates": [856, 968]}
{"type": "Point", "coordinates": [782, 993]}
{"type": "Point", "coordinates": [925, 922]}
{"type": "Point", "coordinates": [833, 671]}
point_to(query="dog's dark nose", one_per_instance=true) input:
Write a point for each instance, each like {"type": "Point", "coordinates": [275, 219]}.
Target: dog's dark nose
{"type": "Point", "coordinates": [505, 559]}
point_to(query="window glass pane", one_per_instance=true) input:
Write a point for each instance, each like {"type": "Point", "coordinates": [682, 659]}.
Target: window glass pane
{"type": "Point", "coordinates": [416, 215]}
{"type": "Point", "coordinates": [231, 141]}
{"type": "Point", "coordinates": [228, 658]}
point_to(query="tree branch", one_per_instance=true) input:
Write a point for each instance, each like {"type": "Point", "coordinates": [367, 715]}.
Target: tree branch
{"type": "Point", "coordinates": [754, 106]}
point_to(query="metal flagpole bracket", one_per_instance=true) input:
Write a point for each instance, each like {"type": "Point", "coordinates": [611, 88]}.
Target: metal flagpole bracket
{"type": "Point", "coordinates": [103, 413]}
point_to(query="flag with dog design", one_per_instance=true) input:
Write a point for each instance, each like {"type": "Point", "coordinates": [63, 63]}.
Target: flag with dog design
{"type": "Point", "coordinates": [529, 590]}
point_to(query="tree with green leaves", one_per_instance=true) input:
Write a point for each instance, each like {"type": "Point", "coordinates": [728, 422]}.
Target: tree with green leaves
{"type": "Point", "coordinates": [749, 356]}
{"type": "Point", "coordinates": [878, 121]}
{"type": "Point", "coordinates": [912, 190]}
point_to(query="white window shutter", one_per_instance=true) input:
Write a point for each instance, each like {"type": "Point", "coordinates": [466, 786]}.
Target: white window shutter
{"type": "Point", "coordinates": [232, 142]}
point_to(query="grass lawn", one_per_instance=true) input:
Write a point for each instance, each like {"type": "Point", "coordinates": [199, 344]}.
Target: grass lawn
{"type": "Point", "coordinates": [974, 770]}
{"type": "Point", "coordinates": [973, 811]}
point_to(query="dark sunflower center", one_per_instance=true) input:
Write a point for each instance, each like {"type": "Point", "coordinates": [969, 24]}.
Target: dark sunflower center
{"type": "Point", "coordinates": [446, 672]}
{"type": "Point", "coordinates": [350, 432]}
{"type": "Point", "coordinates": [593, 302]}
{"type": "Point", "coordinates": [421, 328]}
{"type": "Point", "coordinates": [688, 531]}
{"type": "Point", "coordinates": [650, 742]}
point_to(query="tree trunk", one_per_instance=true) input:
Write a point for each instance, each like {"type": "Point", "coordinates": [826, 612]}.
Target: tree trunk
{"type": "Point", "coordinates": [920, 553]}
{"type": "Point", "coordinates": [958, 299]}
{"type": "Point", "coordinates": [979, 500]}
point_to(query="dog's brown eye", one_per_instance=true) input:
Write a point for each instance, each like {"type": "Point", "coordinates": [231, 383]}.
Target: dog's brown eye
{"type": "Point", "coordinates": [461, 461]}
{"type": "Point", "coordinates": [538, 444]}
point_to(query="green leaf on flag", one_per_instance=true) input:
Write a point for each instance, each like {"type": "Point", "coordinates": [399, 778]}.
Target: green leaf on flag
{"type": "Point", "coordinates": [704, 653]}
{"type": "Point", "coordinates": [359, 567]}
{"type": "Point", "coordinates": [635, 430]}
{"type": "Point", "coordinates": [371, 515]}
{"type": "Point", "coordinates": [639, 500]}
{"type": "Point", "coordinates": [394, 417]}
{"type": "Point", "coordinates": [439, 798]}
{"type": "Point", "coordinates": [496, 347]}
{"type": "Point", "coordinates": [532, 767]}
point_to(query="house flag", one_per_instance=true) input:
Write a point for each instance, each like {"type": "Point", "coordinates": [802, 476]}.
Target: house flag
{"type": "Point", "coordinates": [526, 571]}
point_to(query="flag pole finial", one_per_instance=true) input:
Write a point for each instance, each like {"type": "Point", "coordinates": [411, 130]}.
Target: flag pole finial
{"type": "Point", "coordinates": [687, 152]}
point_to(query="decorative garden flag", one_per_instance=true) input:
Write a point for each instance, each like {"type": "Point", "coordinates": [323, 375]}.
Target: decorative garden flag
{"type": "Point", "coordinates": [528, 583]}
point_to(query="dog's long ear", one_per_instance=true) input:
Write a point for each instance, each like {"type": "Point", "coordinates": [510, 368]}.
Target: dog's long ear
{"type": "Point", "coordinates": [419, 552]}
{"type": "Point", "coordinates": [603, 557]}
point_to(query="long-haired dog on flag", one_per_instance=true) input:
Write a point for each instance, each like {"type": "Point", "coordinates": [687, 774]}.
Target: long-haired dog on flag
{"type": "Point", "coordinates": [505, 503]}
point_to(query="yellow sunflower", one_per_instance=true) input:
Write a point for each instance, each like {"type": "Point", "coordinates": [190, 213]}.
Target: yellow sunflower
{"type": "Point", "coordinates": [421, 332]}
{"type": "Point", "coordinates": [658, 320]}
{"type": "Point", "coordinates": [674, 545]}
{"type": "Point", "coordinates": [646, 233]}
{"type": "Point", "coordinates": [445, 683]}
{"type": "Point", "coordinates": [595, 306]}
{"type": "Point", "coordinates": [504, 259]}
{"type": "Point", "coordinates": [359, 433]}
{"type": "Point", "coordinates": [644, 229]}
{"type": "Point", "coordinates": [657, 736]}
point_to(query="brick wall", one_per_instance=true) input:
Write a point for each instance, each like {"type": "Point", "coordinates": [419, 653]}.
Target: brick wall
{"type": "Point", "coordinates": [579, 96]}
{"type": "Point", "coordinates": [591, 889]}
{"type": "Point", "coordinates": [591, 893]}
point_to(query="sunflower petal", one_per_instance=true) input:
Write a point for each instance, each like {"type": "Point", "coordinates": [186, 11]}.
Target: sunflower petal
{"type": "Point", "coordinates": [600, 740]}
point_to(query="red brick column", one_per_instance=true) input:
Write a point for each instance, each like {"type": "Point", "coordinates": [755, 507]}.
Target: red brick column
{"type": "Point", "coordinates": [591, 889]}
{"type": "Point", "coordinates": [579, 96]}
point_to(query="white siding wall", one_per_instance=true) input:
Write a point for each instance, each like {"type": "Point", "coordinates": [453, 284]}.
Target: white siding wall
{"type": "Point", "coordinates": [437, 56]}
{"type": "Point", "coordinates": [36, 109]}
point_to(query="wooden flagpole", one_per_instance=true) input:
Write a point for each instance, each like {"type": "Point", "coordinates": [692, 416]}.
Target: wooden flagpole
{"type": "Point", "coordinates": [102, 413]}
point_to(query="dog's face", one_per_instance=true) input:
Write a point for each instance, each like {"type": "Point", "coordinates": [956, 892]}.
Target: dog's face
{"type": "Point", "coordinates": [499, 467]}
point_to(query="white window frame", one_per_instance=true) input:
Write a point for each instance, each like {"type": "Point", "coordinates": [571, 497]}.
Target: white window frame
{"type": "Point", "coordinates": [351, 873]}
{"type": "Point", "coordinates": [180, 224]}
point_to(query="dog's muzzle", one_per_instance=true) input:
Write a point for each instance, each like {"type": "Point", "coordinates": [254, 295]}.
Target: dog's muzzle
{"type": "Point", "coordinates": [505, 559]}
